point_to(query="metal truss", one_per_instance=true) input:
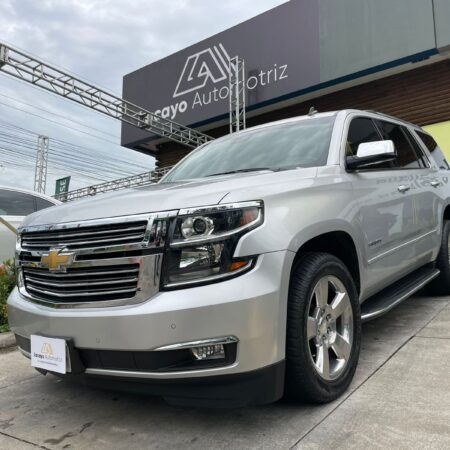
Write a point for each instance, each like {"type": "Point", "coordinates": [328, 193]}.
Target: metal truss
{"type": "Point", "coordinates": [142, 179]}
{"type": "Point", "coordinates": [40, 171]}
{"type": "Point", "coordinates": [237, 86]}
{"type": "Point", "coordinates": [32, 70]}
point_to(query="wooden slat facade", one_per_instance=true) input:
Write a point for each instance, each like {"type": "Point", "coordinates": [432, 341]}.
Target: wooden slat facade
{"type": "Point", "coordinates": [421, 96]}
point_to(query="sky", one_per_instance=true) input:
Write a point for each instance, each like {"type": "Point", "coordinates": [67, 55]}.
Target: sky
{"type": "Point", "coordinates": [99, 41]}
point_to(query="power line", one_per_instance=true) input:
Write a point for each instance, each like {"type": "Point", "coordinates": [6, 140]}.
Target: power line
{"type": "Point", "coordinates": [59, 115]}
{"type": "Point", "coordinates": [77, 146]}
{"type": "Point", "coordinates": [58, 123]}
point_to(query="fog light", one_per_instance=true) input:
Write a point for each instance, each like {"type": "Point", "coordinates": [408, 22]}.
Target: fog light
{"type": "Point", "coordinates": [208, 352]}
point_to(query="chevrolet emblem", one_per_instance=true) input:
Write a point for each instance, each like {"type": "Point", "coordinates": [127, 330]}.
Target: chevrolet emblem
{"type": "Point", "coordinates": [56, 262]}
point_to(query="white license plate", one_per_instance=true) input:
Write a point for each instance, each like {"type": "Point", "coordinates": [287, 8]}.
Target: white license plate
{"type": "Point", "coordinates": [48, 353]}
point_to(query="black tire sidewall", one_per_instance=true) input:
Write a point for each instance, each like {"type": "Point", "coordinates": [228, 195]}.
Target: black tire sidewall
{"type": "Point", "coordinates": [300, 367]}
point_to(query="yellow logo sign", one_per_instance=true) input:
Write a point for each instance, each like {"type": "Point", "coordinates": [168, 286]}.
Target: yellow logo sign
{"type": "Point", "coordinates": [56, 262]}
{"type": "Point", "coordinates": [47, 349]}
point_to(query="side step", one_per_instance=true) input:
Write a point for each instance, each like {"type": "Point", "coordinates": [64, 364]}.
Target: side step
{"type": "Point", "coordinates": [393, 295]}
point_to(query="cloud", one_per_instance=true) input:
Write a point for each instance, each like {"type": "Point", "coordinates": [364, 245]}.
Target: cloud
{"type": "Point", "coordinates": [100, 41]}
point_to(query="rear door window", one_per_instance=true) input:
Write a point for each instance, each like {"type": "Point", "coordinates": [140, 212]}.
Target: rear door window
{"type": "Point", "coordinates": [406, 155]}
{"type": "Point", "coordinates": [434, 149]}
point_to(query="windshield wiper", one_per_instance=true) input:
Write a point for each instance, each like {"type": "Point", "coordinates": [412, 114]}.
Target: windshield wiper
{"type": "Point", "coordinates": [253, 169]}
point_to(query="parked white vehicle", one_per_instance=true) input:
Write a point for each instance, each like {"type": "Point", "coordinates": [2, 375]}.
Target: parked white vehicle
{"type": "Point", "coordinates": [15, 205]}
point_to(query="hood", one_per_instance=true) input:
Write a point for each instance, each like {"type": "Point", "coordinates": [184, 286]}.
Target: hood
{"type": "Point", "coordinates": [167, 196]}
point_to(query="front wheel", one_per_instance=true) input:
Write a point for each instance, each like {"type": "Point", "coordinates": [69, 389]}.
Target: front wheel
{"type": "Point", "coordinates": [323, 329]}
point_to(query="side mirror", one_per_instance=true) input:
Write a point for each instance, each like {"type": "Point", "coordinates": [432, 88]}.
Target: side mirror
{"type": "Point", "coordinates": [371, 153]}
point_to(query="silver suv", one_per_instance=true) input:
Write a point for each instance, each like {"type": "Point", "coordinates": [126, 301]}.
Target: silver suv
{"type": "Point", "coordinates": [246, 272]}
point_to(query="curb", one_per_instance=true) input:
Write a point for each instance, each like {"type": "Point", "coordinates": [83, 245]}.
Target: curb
{"type": "Point", "coordinates": [7, 340]}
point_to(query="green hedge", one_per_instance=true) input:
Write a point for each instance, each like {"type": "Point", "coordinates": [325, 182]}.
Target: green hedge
{"type": "Point", "coordinates": [7, 283]}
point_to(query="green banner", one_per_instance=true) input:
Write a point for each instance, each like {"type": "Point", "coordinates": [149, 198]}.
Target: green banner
{"type": "Point", "coordinates": [61, 188]}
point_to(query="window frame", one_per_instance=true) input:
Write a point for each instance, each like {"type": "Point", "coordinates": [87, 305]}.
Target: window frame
{"type": "Point", "coordinates": [416, 133]}
{"type": "Point", "coordinates": [374, 118]}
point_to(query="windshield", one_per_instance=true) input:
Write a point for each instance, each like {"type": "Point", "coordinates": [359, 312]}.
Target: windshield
{"type": "Point", "coordinates": [302, 143]}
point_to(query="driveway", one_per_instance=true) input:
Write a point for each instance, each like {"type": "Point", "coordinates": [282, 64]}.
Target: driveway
{"type": "Point", "coordinates": [400, 398]}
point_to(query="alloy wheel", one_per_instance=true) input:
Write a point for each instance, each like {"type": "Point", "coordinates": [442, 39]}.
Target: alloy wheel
{"type": "Point", "coordinates": [330, 327]}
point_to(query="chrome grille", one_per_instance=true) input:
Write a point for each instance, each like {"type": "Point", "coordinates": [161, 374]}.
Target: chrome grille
{"type": "Point", "coordinates": [83, 284]}
{"type": "Point", "coordinates": [93, 263]}
{"type": "Point", "coordinates": [82, 237]}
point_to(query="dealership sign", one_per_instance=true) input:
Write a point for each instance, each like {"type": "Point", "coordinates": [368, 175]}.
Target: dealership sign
{"type": "Point", "coordinates": [281, 53]}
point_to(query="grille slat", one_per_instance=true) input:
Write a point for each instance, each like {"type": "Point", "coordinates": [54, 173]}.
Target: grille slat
{"type": "Point", "coordinates": [68, 293]}
{"type": "Point", "coordinates": [79, 273]}
{"type": "Point", "coordinates": [52, 235]}
{"type": "Point", "coordinates": [82, 284]}
{"type": "Point", "coordinates": [86, 237]}
{"type": "Point", "coordinates": [103, 265]}
{"type": "Point", "coordinates": [87, 242]}
{"type": "Point", "coordinates": [78, 284]}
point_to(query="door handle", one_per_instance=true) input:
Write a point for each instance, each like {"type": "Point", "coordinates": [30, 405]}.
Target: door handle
{"type": "Point", "coordinates": [403, 188]}
{"type": "Point", "coordinates": [435, 183]}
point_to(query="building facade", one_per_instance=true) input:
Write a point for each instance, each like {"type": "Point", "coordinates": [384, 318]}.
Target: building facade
{"type": "Point", "coordinates": [391, 56]}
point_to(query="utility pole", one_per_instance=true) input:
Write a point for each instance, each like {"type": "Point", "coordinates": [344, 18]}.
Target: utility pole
{"type": "Point", "coordinates": [40, 172]}
{"type": "Point", "coordinates": [237, 86]}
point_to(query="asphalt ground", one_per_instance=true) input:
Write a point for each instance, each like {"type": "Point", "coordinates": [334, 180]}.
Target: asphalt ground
{"type": "Point", "coordinates": [400, 398]}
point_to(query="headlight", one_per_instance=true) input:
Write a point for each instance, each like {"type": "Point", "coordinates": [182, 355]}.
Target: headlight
{"type": "Point", "coordinates": [203, 241]}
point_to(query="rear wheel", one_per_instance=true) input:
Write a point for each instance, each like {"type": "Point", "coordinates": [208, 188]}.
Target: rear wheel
{"type": "Point", "coordinates": [323, 329]}
{"type": "Point", "coordinates": [441, 284]}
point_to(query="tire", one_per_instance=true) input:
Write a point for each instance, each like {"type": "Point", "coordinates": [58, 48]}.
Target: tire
{"type": "Point", "coordinates": [441, 284]}
{"type": "Point", "coordinates": [306, 371]}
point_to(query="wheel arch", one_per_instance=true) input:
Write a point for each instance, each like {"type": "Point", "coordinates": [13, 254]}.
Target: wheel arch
{"type": "Point", "coordinates": [338, 243]}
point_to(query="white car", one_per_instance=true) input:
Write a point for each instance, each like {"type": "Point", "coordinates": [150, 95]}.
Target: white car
{"type": "Point", "coordinates": [15, 205]}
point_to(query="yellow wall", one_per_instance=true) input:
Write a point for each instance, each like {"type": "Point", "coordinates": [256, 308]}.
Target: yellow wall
{"type": "Point", "coordinates": [441, 133]}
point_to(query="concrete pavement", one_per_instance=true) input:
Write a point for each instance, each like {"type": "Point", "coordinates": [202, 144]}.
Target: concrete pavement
{"type": "Point", "coordinates": [400, 398]}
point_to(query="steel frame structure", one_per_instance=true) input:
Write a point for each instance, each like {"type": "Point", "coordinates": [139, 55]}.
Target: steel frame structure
{"type": "Point", "coordinates": [32, 70]}
{"type": "Point", "coordinates": [143, 179]}
{"type": "Point", "coordinates": [237, 94]}
{"type": "Point", "coordinates": [40, 170]}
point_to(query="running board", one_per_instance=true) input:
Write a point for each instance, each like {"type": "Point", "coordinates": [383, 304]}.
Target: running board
{"type": "Point", "coordinates": [393, 295]}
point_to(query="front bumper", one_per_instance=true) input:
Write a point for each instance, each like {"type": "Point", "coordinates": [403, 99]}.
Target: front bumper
{"type": "Point", "coordinates": [251, 307]}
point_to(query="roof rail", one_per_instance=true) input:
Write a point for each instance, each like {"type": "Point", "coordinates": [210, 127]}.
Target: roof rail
{"type": "Point", "coordinates": [391, 117]}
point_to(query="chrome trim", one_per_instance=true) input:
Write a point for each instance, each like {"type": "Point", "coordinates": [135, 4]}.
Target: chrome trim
{"type": "Point", "coordinates": [76, 284]}
{"type": "Point", "coordinates": [220, 207]}
{"type": "Point", "coordinates": [147, 274]}
{"type": "Point", "coordinates": [95, 222]}
{"type": "Point", "coordinates": [24, 352]}
{"type": "Point", "coordinates": [67, 274]}
{"type": "Point", "coordinates": [69, 244]}
{"type": "Point", "coordinates": [202, 342]}
{"type": "Point", "coordinates": [178, 374]}
{"type": "Point", "coordinates": [212, 278]}
{"type": "Point", "coordinates": [147, 285]}
{"type": "Point", "coordinates": [78, 293]}
{"type": "Point", "coordinates": [398, 247]}
{"type": "Point", "coordinates": [90, 233]}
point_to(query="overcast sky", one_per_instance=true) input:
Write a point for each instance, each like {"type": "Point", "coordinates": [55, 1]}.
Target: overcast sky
{"type": "Point", "coordinates": [99, 41]}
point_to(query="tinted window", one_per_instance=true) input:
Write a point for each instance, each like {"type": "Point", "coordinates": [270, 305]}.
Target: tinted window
{"type": "Point", "coordinates": [303, 143]}
{"type": "Point", "coordinates": [406, 156]}
{"type": "Point", "coordinates": [363, 129]}
{"type": "Point", "coordinates": [417, 149]}
{"type": "Point", "coordinates": [434, 149]}
{"type": "Point", "coordinates": [42, 203]}
{"type": "Point", "coordinates": [16, 203]}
